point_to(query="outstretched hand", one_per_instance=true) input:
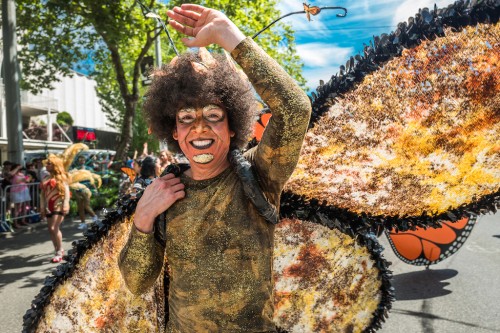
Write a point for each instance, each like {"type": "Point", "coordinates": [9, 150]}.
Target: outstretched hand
{"type": "Point", "coordinates": [205, 26]}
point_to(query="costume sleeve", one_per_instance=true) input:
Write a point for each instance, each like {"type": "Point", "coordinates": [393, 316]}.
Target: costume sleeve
{"type": "Point", "coordinates": [277, 154]}
{"type": "Point", "coordinates": [141, 261]}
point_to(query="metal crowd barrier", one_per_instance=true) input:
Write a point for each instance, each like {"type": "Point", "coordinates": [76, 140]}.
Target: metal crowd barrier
{"type": "Point", "coordinates": [7, 213]}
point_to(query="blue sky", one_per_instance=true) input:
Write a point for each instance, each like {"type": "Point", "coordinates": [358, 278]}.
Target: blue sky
{"type": "Point", "coordinates": [327, 42]}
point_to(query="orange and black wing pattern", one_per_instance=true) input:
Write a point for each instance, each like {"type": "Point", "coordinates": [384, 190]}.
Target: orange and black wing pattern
{"type": "Point", "coordinates": [129, 172]}
{"type": "Point", "coordinates": [407, 133]}
{"type": "Point", "coordinates": [311, 10]}
{"type": "Point", "coordinates": [424, 247]}
{"type": "Point", "coordinates": [260, 125]}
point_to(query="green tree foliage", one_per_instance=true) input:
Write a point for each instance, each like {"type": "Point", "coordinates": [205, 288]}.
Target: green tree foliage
{"type": "Point", "coordinates": [56, 35]}
{"type": "Point", "coordinates": [64, 119]}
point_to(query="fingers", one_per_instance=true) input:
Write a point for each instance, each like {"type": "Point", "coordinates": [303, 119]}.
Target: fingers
{"type": "Point", "coordinates": [191, 42]}
{"type": "Point", "coordinates": [169, 181]}
{"type": "Point", "coordinates": [187, 19]}
{"type": "Point", "coordinates": [191, 15]}
{"type": "Point", "coordinates": [179, 195]}
{"type": "Point", "coordinates": [167, 176]}
{"type": "Point", "coordinates": [182, 28]}
{"type": "Point", "coordinates": [178, 187]}
{"type": "Point", "coordinates": [193, 7]}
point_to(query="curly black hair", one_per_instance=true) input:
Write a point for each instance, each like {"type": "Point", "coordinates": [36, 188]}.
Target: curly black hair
{"type": "Point", "coordinates": [148, 167]}
{"type": "Point", "coordinates": [179, 85]}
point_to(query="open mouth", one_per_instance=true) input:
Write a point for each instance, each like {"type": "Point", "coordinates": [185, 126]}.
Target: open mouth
{"type": "Point", "coordinates": [202, 144]}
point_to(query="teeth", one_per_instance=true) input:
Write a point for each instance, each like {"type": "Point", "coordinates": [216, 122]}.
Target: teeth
{"type": "Point", "coordinates": [200, 144]}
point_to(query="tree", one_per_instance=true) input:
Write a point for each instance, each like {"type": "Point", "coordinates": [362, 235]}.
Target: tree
{"type": "Point", "coordinates": [117, 36]}
{"type": "Point", "coordinates": [64, 119]}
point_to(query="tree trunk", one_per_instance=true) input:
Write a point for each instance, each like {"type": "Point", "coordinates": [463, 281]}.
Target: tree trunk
{"type": "Point", "coordinates": [127, 133]}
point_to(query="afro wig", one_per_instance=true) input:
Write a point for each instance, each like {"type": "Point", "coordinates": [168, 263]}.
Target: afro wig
{"type": "Point", "coordinates": [180, 84]}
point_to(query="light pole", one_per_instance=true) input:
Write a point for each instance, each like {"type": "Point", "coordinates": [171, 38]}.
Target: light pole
{"type": "Point", "coordinates": [158, 47]}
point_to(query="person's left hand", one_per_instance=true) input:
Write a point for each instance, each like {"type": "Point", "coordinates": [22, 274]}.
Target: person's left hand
{"type": "Point", "coordinates": [65, 209]}
{"type": "Point", "coordinates": [207, 26]}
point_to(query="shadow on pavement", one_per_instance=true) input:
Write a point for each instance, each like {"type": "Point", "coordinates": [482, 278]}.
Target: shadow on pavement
{"type": "Point", "coordinates": [26, 269]}
{"type": "Point", "coordinates": [423, 284]}
{"type": "Point", "coordinates": [429, 317]}
{"type": "Point", "coordinates": [37, 234]}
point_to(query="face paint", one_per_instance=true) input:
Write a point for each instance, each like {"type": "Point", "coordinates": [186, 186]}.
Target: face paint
{"type": "Point", "coordinates": [204, 137]}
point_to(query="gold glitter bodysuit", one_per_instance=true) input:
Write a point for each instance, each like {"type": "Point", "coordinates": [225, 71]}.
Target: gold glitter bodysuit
{"type": "Point", "coordinates": [219, 248]}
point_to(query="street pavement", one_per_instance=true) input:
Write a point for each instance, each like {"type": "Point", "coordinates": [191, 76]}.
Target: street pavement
{"type": "Point", "coordinates": [460, 294]}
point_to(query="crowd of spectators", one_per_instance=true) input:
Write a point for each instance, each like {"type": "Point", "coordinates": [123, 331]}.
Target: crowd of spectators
{"type": "Point", "coordinates": [21, 198]}
{"type": "Point", "coordinates": [19, 192]}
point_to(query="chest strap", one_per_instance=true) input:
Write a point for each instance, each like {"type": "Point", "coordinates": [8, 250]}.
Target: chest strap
{"type": "Point", "coordinates": [251, 187]}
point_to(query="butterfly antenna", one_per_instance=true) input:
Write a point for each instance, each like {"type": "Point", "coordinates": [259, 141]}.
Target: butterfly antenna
{"type": "Point", "coordinates": [148, 13]}
{"type": "Point", "coordinates": [300, 12]}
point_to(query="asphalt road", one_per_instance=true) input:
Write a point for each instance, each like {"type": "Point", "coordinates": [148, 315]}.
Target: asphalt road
{"type": "Point", "coordinates": [460, 294]}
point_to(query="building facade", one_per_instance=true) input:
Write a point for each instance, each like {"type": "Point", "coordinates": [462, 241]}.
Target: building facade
{"type": "Point", "coordinates": [75, 95]}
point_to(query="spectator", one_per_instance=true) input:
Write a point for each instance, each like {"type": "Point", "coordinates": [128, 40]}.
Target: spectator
{"type": "Point", "coordinates": [42, 172]}
{"type": "Point", "coordinates": [82, 165]}
{"type": "Point", "coordinates": [166, 158]}
{"type": "Point", "coordinates": [146, 174]}
{"type": "Point", "coordinates": [31, 172]}
{"type": "Point", "coordinates": [83, 193]}
{"type": "Point", "coordinates": [19, 195]}
{"type": "Point", "coordinates": [7, 165]}
{"type": "Point", "coordinates": [54, 202]}
{"type": "Point", "coordinates": [32, 177]}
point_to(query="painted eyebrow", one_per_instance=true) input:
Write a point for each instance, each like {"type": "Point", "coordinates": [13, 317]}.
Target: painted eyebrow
{"type": "Point", "coordinates": [211, 107]}
{"type": "Point", "coordinates": [186, 110]}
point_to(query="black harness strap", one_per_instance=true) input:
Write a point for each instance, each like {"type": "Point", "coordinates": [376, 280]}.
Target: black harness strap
{"type": "Point", "coordinates": [251, 187]}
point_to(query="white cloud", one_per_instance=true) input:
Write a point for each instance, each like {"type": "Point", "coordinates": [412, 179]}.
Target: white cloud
{"type": "Point", "coordinates": [322, 60]}
{"type": "Point", "coordinates": [410, 7]}
{"type": "Point", "coordinates": [323, 54]}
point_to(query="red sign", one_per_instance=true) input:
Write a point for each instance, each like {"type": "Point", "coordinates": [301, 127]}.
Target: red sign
{"type": "Point", "coordinates": [84, 134]}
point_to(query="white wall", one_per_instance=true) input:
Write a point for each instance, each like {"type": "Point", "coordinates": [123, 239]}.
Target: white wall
{"type": "Point", "coordinates": [78, 97]}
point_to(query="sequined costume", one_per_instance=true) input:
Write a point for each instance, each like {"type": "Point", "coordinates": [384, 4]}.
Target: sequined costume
{"type": "Point", "coordinates": [51, 200]}
{"type": "Point", "coordinates": [219, 248]}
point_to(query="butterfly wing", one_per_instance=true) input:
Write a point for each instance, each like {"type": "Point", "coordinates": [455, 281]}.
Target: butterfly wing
{"type": "Point", "coordinates": [314, 10]}
{"type": "Point", "coordinates": [430, 246]}
{"type": "Point", "coordinates": [306, 10]}
{"type": "Point", "coordinates": [260, 125]}
{"type": "Point", "coordinates": [90, 287]}
{"type": "Point", "coordinates": [129, 172]}
{"type": "Point", "coordinates": [408, 140]}
{"type": "Point", "coordinates": [319, 272]}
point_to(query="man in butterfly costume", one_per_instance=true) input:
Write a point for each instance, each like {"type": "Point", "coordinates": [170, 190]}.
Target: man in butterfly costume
{"type": "Point", "coordinates": [338, 194]}
{"type": "Point", "coordinates": [218, 244]}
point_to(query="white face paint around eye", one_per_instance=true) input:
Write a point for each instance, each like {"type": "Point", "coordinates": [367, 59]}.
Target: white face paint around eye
{"type": "Point", "coordinates": [186, 115]}
{"type": "Point", "coordinates": [213, 113]}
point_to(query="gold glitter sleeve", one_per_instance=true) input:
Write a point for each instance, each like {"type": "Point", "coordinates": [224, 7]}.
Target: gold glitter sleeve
{"type": "Point", "coordinates": [278, 152]}
{"type": "Point", "coordinates": [140, 261]}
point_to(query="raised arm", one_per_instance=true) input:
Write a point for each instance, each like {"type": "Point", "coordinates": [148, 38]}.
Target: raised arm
{"type": "Point", "coordinates": [278, 152]}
